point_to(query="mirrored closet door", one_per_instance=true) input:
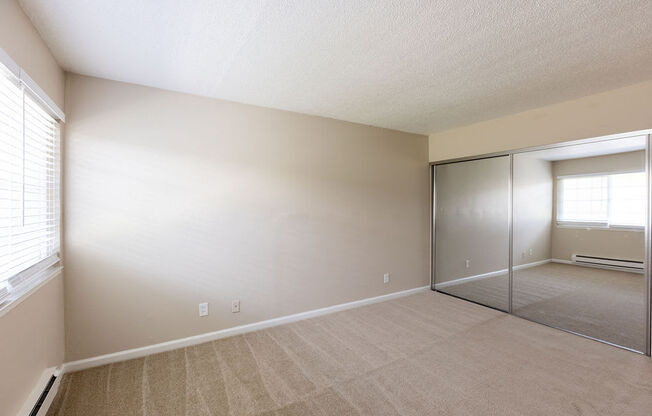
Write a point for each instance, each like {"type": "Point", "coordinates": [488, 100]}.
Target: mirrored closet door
{"type": "Point", "coordinates": [580, 214]}
{"type": "Point", "coordinates": [558, 235]}
{"type": "Point", "coordinates": [472, 230]}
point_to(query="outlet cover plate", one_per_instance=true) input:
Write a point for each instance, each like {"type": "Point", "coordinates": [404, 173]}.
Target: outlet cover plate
{"type": "Point", "coordinates": [203, 309]}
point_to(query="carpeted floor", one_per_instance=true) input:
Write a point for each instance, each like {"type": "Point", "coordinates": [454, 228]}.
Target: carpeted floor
{"type": "Point", "coordinates": [603, 304]}
{"type": "Point", "coordinates": [425, 354]}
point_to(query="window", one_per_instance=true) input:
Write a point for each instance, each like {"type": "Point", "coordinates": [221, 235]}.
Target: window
{"type": "Point", "coordinates": [29, 186]}
{"type": "Point", "coordinates": [604, 200]}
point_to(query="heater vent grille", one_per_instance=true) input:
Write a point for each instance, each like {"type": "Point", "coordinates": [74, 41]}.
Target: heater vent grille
{"type": "Point", "coordinates": [608, 263]}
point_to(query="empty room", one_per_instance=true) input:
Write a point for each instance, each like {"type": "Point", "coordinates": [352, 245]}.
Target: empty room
{"type": "Point", "coordinates": [347, 207]}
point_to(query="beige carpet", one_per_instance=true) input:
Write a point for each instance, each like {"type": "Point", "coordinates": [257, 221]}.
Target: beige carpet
{"type": "Point", "coordinates": [603, 304]}
{"type": "Point", "coordinates": [426, 354]}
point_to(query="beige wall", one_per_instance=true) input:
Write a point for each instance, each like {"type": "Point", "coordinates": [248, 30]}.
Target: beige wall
{"type": "Point", "coordinates": [20, 40]}
{"type": "Point", "coordinates": [603, 243]}
{"type": "Point", "coordinates": [174, 199]}
{"type": "Point", "coordinates": [33, 331]}
{"type": "Point", "coordinates": [618, 162]}
{"type": "Point", "coordinates": [472, 218]}
{"type": "Point", "coordinates": [616, 111]}
{"type": "Point", "coordinates": [533, 189]}
{"type": "Point", "coordinates": [32, 340]}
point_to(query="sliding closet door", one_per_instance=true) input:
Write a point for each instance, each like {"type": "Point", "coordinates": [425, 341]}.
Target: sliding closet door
{"type": "Point", "coordinates": [472, 230]}
{"type": "Point", "coordinates": [580, 214]}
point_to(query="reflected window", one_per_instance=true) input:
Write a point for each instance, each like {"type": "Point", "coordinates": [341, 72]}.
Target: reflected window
{"type": "Point", "coordinates": [604, 200]}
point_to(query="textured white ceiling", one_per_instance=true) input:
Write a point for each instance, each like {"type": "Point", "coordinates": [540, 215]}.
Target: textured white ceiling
{"type": "Point", "coordinates": [418, 66]}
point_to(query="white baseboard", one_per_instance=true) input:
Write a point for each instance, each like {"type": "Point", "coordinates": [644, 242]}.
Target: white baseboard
{"type": "Point", "coordinates": [210, 336]}
{"type": "Point", "coordinates": [533, 264]}
{"type": "Point", "coordinates": [562, 261]}
{"type": "Point", "coordinates": [461, 280]}
{"type": "Point", "coordinates": [490, 274]}
{"type": "Point", "coordinates": [34, 396]}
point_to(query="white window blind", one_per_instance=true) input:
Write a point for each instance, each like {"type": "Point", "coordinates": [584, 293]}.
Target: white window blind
{"type": "Point", "coordinates": [607, 200]}
{"type": "Point", "coordinates": [29, 185]}
{"type": "Point", "coordinates": [627, 204]}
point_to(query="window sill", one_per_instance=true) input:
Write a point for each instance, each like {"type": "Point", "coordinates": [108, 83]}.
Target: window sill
{"type": "Point", "coordinates": [17, 298]}
{"type": "Point", "coordinates": [601, 227]}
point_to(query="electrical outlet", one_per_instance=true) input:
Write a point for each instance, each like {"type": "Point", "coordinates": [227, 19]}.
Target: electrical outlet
{"type": "Point", "coordinates": [386, 278]}
{"type": "Point", "coordinates": [467, 263]}
{"type": "Point", "coordinates": [531, 251]}
{"type": "Point", "coordinates": [203, 309]}
{"type": "Point", "coordinates": [235, 306]}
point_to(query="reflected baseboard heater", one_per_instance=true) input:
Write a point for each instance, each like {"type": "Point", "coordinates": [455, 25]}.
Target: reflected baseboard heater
{"type": "Point", "coordinates": [608, 263]}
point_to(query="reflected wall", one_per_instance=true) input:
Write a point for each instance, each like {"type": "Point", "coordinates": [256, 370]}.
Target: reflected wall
{"type": "Point", "coordinates": [472, 230]}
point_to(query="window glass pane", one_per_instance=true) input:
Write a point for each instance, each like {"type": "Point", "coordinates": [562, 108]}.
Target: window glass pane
{"type": "Point", "coordinates": [583, 199]}
{"type": "Point", "coordinates": [628, 199]}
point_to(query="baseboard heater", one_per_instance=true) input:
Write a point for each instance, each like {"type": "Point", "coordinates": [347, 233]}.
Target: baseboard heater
{"type": "Point", "coordinates": [36, 410]}
{"type": "Point", "coordinates": [41, 398]}
{"type": "Point", "coordinates": [608, 263]}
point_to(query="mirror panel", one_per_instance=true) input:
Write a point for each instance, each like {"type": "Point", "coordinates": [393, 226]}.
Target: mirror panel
{"type": "Point", "coordinates": [579, 218]}
{"type": "Point", "coordinates": [472, 230]}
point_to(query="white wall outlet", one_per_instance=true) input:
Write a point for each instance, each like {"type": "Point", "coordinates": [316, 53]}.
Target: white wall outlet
{"type": "Point", "coordinates": [235, 306]}
{"type": "Point", "coordinates": [386, 278]}
{"type": "Point", "coordinates": [467, 263]}
{"type": "Point", "coordinates": [203, 309]}
{"type": "Point", "coordinates": [531, 251]}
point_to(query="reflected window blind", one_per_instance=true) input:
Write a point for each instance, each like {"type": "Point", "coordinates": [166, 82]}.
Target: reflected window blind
{"type": "Point", "coordinates": [608, 200]}
{"type": "Point", "coordinates": [627, 199]}
{"type": "Point", "coordinates": [29, 185]}
{"type": "Point", "coordinates": [584, 199]}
